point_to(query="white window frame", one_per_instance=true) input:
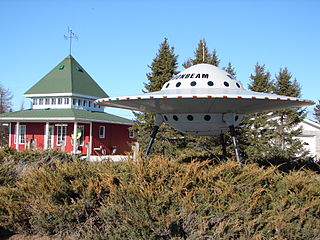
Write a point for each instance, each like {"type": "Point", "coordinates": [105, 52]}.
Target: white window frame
{"type": "Point", "coordinates": [22, 134]}
{"type": "Point", "coordinates": [40, 101]}
{"type": "Point", "coordinates": [59, 100]}
{"type": "Point", "coordinates": [103, 129]}
{"type": "Point", "coordinates": [53, 101]}
{"type": "Point", "coordinates": [47, 101]}
{"type": "Point", "coordinates": [34, 101]}
{"type": "Point", "coordinates": [61, 135]}
{"type": "Point", "coordinates": [66, 100]}
{"type": "Point", "coordinates": [131, 133]}
{"type": "Point", "coordinates": [74, 101]}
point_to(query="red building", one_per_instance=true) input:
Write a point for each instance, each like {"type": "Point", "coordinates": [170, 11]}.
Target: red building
{"type": "Point", "coordinates": [64, 116]}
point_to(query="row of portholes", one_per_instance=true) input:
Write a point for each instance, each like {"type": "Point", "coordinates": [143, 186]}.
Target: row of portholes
{"type": "Point", "coordinates": [210, 83]}
{"type": "Point", "coordinates": [190, 118]}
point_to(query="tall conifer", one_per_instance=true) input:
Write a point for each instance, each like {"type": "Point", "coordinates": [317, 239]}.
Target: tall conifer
{"type": "Point", "coordinates": [163, 67]}
{"type": "Point", "coordinates": [255, 135]}
{"type": "Point", "coordinates": [286, 121]}
{"type": "Point", "coordinates": [202, 55]}
{"type": "Point", "coordinates": [203, 146]}
{"type": "Point", "coordinates": [317, 112]}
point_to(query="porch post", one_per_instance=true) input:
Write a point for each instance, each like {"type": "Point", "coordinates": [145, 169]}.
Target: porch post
{"type": "Point", "coordinates": [46, 136]}
{"type": "Point", "coordinates": [17, 135]}
{"type": "Point", "coordinates": [90, 140]}
{"type": "Point", "coordinates": [75, 131]}
{"type": "Point", "coordinates": [10, 135]}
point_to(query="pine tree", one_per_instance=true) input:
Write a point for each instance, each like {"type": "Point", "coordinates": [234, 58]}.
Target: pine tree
{"type": "Point", "coordinates": [316, 113]}
{"type": "Point", "coordinates": [285, 121]}
{"type": "Point", "coordinates": [202, 55]}
{"type": "Point", "coordinates": [230, 69]}
{"type": "Point", "coordinates": [163, 67]}
{"type": "Point", "coordinates": [254, 134]}
{"type": "Point", "coordinates": [202, 146]}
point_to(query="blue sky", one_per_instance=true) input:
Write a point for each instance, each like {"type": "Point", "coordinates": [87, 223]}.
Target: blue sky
{"type": "Point", "coordinates": [119, 39]}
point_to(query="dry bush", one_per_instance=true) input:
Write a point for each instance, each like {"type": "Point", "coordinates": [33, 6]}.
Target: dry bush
{"type": "Point", "coordinates": [160, 198]}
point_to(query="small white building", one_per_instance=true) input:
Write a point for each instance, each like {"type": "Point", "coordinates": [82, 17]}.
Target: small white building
{"type": "Point", "coordinates": [310, 136]}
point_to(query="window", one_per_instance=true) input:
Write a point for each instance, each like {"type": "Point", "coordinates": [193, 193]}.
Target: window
{"type": "Point", "coordinates": [74, 101]}
{"type": "Point", "coordinates": [53, 101]}
{"type": "Point", "coordinates": [210, 83]}
{"type": "Point", "coordinates": [178, 84]}
{"type": "Point", "coordinates": [47, 101]}
{"type": "Point", "coordinates": [35, 101]}
{"type": "Point", "coordinates": [89, 104]}
{"type": "Point", "coordinates": [168, 85]}
{"type": "Point", "coordinates": [79, 102]}
{"type": "Point", "coordinates": [66, 100]}
{"type": "Point", "coordinates": [94, 105]}
{"type": "Point", "coordinates": [102, 131]}
{"type": "Point", "coordinates": [61, 135]}
{"type": "Point", "coordinates": [41, 101]}
{"type": "Point", "coordinates": [190, 117]}
{"type": "Point", "coordinates": [84, 103]}
{"type": "Point", "coordinates": [22, 134]}
{"type": "Point", "coordinates": [59, 100]}
{"type": "Point", "coordinates": [226, 84]}
{"type": "Point", "coordinates": [81, 137]}
{"type": "Point", "coordinates": [238, 85]}
{"type": "Point", "coordinates": [131, 133]}
{"type": "Point", "coordinates": [193, 83]}
{"type": "Point", "coordinates": [207, 117]}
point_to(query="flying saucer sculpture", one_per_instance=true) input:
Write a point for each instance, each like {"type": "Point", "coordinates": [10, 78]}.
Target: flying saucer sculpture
{"type": "Point", "coordinates": [202, 100]}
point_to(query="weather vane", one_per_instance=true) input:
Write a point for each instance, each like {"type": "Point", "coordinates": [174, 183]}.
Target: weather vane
{"type": "Point", "coordinates": [70, 35]}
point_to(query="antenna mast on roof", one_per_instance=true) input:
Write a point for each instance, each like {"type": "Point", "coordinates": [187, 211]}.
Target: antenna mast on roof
{"type": "Point", "coordinates": [70, 35]}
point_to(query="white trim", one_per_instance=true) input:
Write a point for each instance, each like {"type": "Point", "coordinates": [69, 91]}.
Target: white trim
{"type": "Point", "coordinates": [46, 136]}
{"type": "Point", "coordinates": [65, 138]}
{"type": "Point", "coordinates": [67, 94]}
{"type": "Point", "coordinates": [9, 140]}
{"type": "Point", "coordinates": [311, 123]}
{"type": "Point", "coordinates": [131, 135]}
{"type": "Point", "coordinates": [17, 133]}
{"type": "Point", "coordinates": [90, 139]}
{"type": "Point", "coordinates": [104, 132]}
{"type": "Point", "coordinates": [62, 120]}
{"type": "Point", "coordinates": [75, 131]}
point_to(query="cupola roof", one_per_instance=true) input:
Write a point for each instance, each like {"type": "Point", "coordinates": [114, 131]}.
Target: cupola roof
{"type": "Point", "coordinates": [67, 77]}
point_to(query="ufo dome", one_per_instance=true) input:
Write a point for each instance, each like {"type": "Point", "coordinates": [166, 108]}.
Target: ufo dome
{"type": "Point", "coordinates": [202, 76]}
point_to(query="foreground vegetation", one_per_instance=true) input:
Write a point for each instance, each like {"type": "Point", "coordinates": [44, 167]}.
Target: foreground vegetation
{"type": "Point", "coordinates": [52, 193]}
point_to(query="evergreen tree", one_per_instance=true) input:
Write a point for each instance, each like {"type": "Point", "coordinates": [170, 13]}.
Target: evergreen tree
{"type": "Point", "coordinates": [285, 121]}
{"type": "Point", "coordinates": [202, 55]}
{"type": "Point", "coordinates": [254, 134]}
{"type": "Point", "coordinates": [317, 112]}
{"type": "Point", "coordinates": [202, 146]}
{"type": "Point", "coordinates": [163, 67]}
{"type": "Point", "coordinates": [230, 69]}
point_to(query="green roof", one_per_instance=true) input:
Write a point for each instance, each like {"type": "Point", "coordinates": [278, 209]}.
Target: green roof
{"type": "Point", "coordinates": [62, 115]}
{"type": "Point", "coordinates": [68, 77]}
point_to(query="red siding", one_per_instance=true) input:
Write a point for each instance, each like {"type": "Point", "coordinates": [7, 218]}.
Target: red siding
{"type": "Point", "coordinates": [116, 135]}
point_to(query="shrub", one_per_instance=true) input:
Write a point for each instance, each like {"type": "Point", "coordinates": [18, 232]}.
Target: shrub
{"type": "Point", "coordinates": [159, 198]}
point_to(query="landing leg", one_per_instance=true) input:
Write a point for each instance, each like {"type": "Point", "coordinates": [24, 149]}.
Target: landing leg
{"type": "Point", "coordinates": [223, 144]}
{"type": "Point", "coordinates": [157, 123]}
{"type": "Point", "coordinates": [235, 144]}
{"type": "Point", "coordinates": [152, 137]}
